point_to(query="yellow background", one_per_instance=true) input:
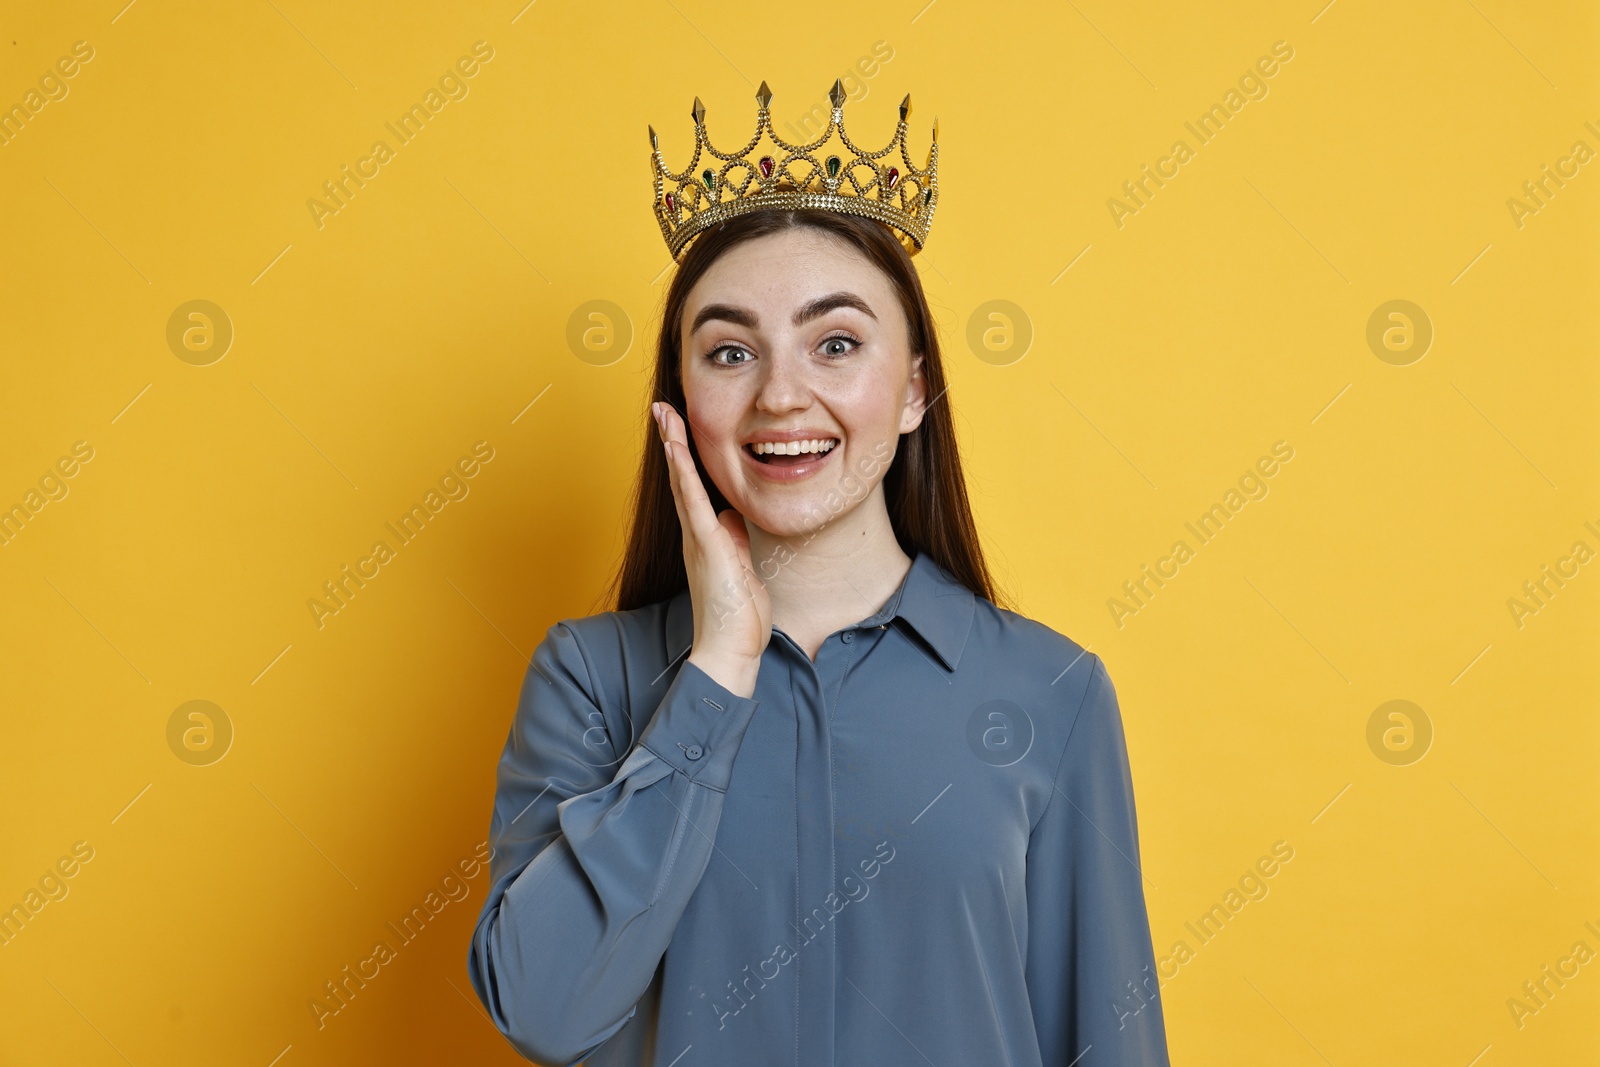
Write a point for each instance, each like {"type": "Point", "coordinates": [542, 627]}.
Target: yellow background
{"type": "Point", "coordinates": [369, 354]}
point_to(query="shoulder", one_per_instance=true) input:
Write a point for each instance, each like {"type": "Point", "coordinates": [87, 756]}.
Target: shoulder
{"type": "Point", "coordinates": [602, 651]}
{"type": "Point", "coordinates": [611, 636]}
{"type": "Point", "coordinates": [1071, 689]}
{"type": "Point", "coordinates": [612, 629]}
{"type": "Point", "coordinates": [1064, 687]}
{"type": "Point", "coordinates": [1066, 667]}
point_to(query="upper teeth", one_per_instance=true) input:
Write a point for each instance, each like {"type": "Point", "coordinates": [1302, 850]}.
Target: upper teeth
{"type": "Point", "coordinates": [792, 448]}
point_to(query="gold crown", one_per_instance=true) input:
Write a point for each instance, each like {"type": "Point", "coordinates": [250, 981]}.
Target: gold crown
{"type": "Point", "coordinates": [794, 177]}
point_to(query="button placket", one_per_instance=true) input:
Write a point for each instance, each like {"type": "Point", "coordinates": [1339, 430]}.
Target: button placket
{"type": "Point", "coordinates": [816, 967]}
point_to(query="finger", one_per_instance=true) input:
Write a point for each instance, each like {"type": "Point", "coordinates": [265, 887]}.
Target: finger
{"type": "Point", "coordinates": [691, 489]}
{"type": "Point", "coordinates": [672, 476]}
{"type": "Point", "coordinates": [677, 495]}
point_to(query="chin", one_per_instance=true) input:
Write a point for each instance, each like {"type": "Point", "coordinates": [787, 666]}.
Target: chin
{"type": "Point", "coordinates": [783, 520]}
{"type": "Point", "coordinates": [795, 520]}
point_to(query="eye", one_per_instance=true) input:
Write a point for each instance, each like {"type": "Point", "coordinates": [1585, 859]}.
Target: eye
{"type": "Point", "coordinates": [712, 355]}
{"type": "Point", "coordinates": [841, 338]}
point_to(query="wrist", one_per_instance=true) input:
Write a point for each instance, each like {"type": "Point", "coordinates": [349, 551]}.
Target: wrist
{"type": "Point", "coordinates": [737, 674]}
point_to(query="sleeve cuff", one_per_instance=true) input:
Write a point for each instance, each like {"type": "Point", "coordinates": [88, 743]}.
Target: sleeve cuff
{"type": "Point", "coordinates": [698, 727]}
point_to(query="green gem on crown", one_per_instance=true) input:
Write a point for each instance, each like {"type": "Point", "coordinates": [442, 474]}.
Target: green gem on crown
{"type": "Point", "coordinates": [833, 166]}
{"type": "Point", "coordinates": [710, 178]}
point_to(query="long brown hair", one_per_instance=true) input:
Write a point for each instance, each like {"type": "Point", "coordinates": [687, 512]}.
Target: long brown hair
{"type": "Point", "coordinates": [924, 490]}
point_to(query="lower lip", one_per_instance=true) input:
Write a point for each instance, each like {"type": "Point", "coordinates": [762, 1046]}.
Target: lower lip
{"type": "Point", "coordinates": [794, 473]}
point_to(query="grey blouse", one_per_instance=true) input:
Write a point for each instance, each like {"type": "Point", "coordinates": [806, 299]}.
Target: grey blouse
{"type": "Point", "coordinates": [919, 849]}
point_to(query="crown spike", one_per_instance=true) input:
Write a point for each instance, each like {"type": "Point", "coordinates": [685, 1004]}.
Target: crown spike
{"type": "Point", "coordinates": [936, 128]}
{"type": "Point", "coordinates": [905, 108]}
{"type": "Point", "coordinates": [653, 143]}
{"type": "Point", "coordinates": [763, 96]}
{"type": "Point", "coordinates": [836, 94]}
{"type": "Point", "coordinates": [698, 112]}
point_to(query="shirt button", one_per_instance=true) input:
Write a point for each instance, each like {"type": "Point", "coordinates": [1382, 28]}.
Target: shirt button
{"type": "Point", "coordinates": [693, 752]}
{"type": "Point", "coordinates": [848, 636]}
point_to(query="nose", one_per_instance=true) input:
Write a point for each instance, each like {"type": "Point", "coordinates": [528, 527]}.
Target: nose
{"type": "Point", "coordinates": [785, 383]}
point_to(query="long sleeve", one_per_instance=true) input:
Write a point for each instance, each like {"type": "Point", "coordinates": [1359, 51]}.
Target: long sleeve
{"type": "Point", "coordinates": [594, 863]}
{"type": "Point", "coordinates": [1091, 967]}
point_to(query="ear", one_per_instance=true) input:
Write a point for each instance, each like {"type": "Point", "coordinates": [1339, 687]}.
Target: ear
{"type": "Point", "coordinates": [916, 398]}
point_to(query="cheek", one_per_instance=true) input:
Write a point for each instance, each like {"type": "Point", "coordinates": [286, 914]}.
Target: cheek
{"type": "Point", "coordinates": [868, 409]}
{"type": "Point", "coordinates": [713, 421]}
{"type": "Point", "coordinates": [712, 409]}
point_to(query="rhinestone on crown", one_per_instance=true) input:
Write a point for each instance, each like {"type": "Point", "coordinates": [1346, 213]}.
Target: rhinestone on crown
{"type": "Point", "coordinates": [848, 179]}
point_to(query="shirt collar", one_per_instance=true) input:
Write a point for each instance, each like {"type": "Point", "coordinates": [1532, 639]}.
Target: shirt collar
{"type": "Point", "coordinates": [929, 600]}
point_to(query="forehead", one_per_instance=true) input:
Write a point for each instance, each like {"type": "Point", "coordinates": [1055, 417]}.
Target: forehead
{"type": "Point", "coordinates": [778, 272]}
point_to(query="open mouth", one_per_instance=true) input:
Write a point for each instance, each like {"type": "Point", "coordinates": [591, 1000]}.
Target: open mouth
{"type": "Point", "coordinates": [792, 454]}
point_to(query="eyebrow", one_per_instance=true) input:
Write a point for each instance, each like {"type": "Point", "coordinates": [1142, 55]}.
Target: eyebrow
{"type": "Point", "coordinates": [808, 311]}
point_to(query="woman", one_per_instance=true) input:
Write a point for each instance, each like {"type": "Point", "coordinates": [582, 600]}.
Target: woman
{"type": "Point", "coordinates": [872, 817]}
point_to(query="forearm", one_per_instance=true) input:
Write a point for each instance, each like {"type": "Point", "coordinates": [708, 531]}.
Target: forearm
{"type": "Point", "coordinates": [563, 954]}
